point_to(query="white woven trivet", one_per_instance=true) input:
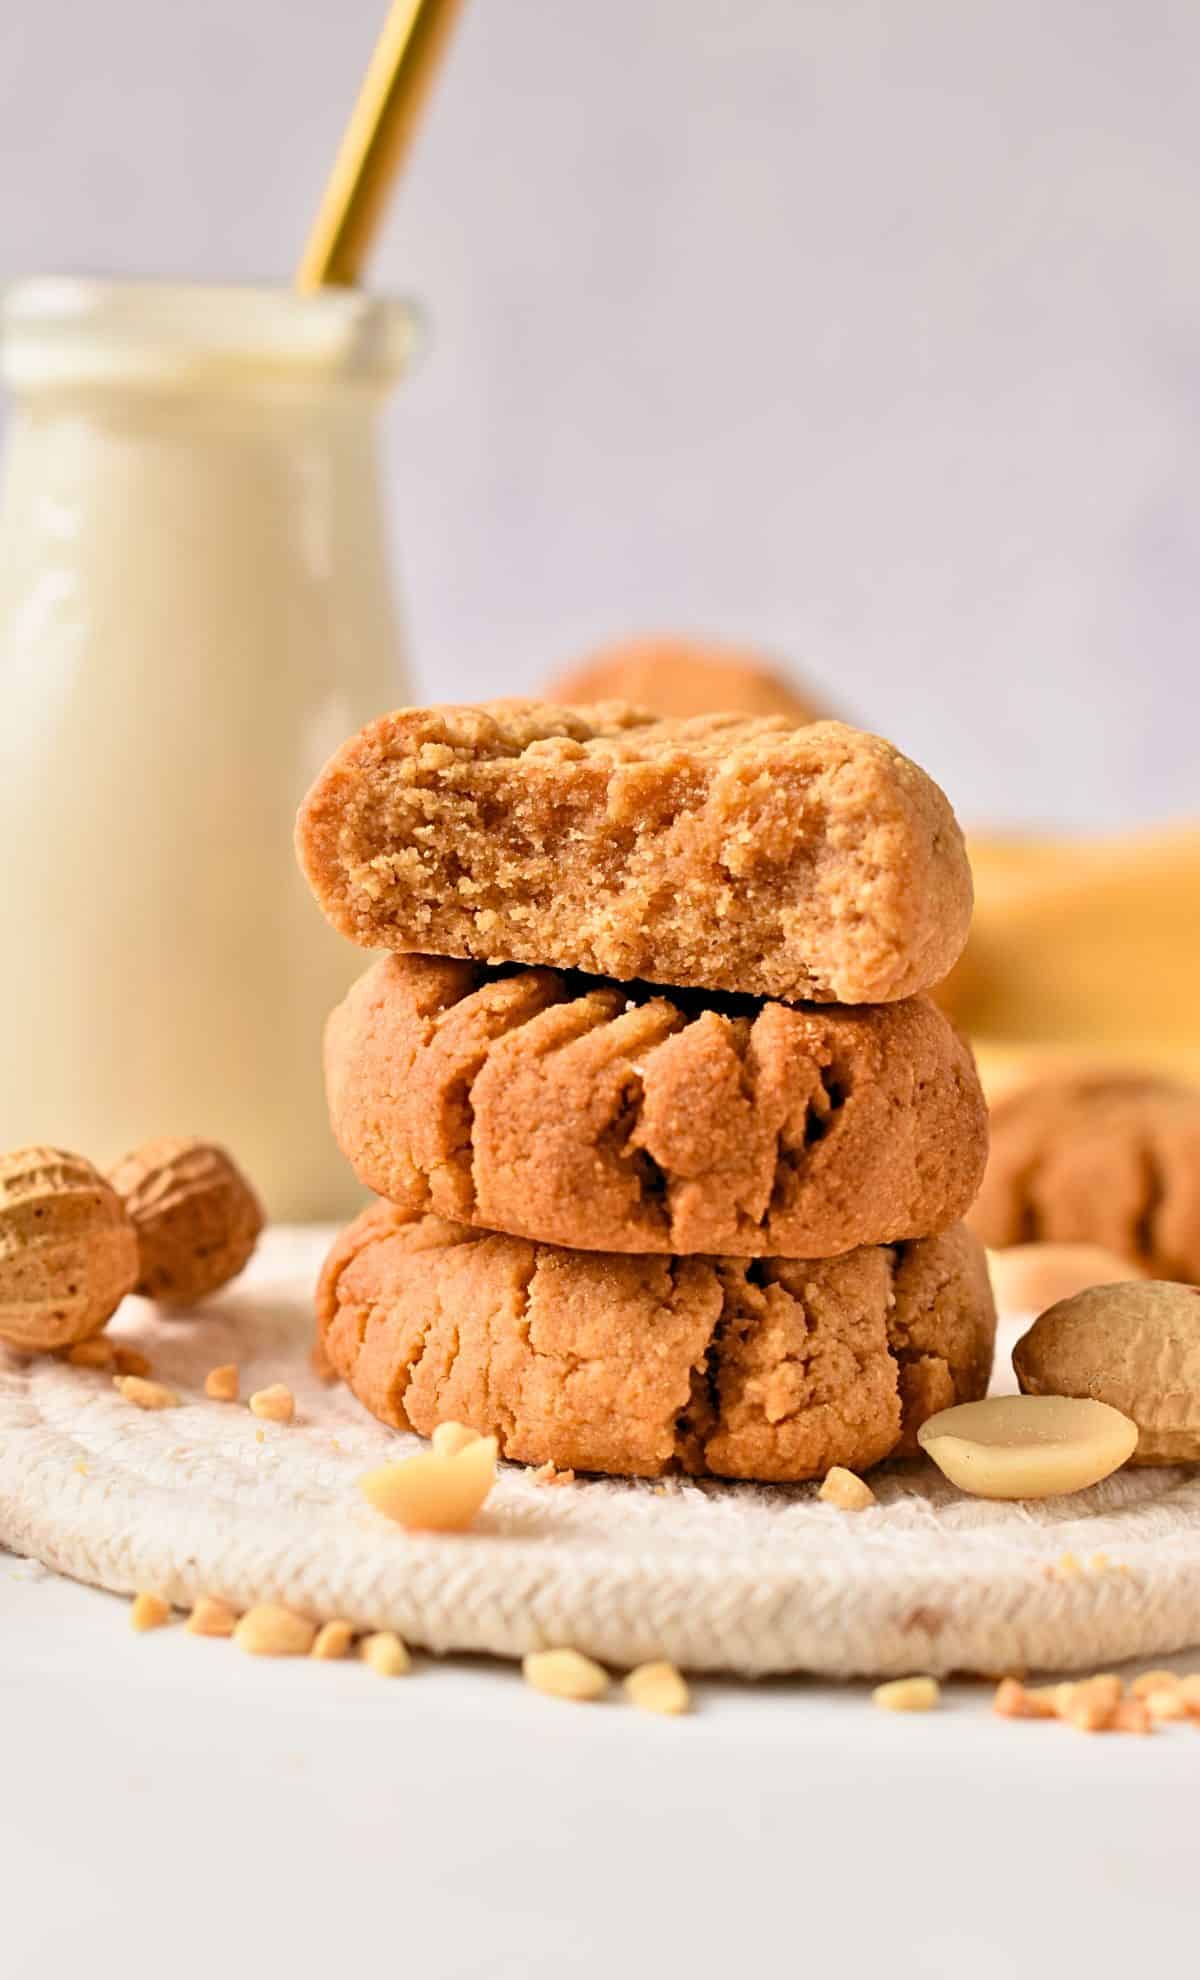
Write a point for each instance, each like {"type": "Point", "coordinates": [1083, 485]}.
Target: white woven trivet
{"type": "Point", "coordinates": [206, 1500]}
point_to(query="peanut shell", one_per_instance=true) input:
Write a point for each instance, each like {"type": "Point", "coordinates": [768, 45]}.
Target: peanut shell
{"type": "Point", "coordinates": [1135, 1346]}
{"type": "Point", "coordinates": [68, 1251]}
{"type": "Point", "coordinates": [196, 1216]}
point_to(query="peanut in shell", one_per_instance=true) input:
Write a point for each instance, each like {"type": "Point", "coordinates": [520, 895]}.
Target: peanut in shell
{"type": "Point", "coordinates": [1135, 1346]}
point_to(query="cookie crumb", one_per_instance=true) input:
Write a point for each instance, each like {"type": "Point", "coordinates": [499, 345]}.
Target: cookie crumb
{"type": "Point", "coordinates": [846, 1490]}
{"type": "Point", "coordinates": [385, 1654]}
{"type": "Point", "coordinates": [658, 1688]}
{"type": "Point", "coordinates": [221, 1384]}
{"type": "Point", "coordinates": [449, 1439]}
{"type": "Point", "coordinates": [333, 1639]}
{"type": "Point", "coordinates": [911, 1694]}
{"type": "Point", "coordinates": [96, 1353]}
{"type": "Point", "coordinates": [211, 1617]}
{"type": "Point", "coordinates": [148, 1611]}
{"type": "Point", "coordinates": [144, 1394]}
{"type": "Point", "coordinates": [564, 1674]}
{"type": "Point", "coordinates": [130, 1361]}
{"type": "Point", "coordinates": [275, 1404]}
{"type": "Point", "coordinates": [270, 1630]}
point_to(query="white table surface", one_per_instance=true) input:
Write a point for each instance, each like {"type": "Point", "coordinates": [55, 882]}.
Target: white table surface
{"type": "Point", "coordinates": [172, 1807]}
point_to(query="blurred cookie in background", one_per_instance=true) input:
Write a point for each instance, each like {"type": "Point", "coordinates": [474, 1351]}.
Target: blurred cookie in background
{"type": "Point", "coordinates": [682, 677]}
{"type": "Point", "coordinates": [1098, 1156]}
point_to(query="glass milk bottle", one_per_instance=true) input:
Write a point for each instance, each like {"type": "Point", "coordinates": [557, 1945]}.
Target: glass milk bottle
{"type": "Point", "coordinates": [195, 609]}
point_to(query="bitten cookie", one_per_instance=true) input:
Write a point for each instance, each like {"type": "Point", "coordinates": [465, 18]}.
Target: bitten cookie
{"type": "Point", "coordinates": [774, 1370]}
{"type": "Point", "coordinates": [683, 677]}
{"type": "Point", "coordinates": [570, 1111]}
{"type": "Point", "coordinates": [727, 854]}
{"type": "Point", "coordinates": [1099, 1157]}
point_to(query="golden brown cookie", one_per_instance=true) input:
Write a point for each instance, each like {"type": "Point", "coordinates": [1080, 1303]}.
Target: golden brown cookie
{"type": "Point", "coordinates": [1100, 1157]}
{"type": "Point", "coordinates": [683, 677]}
{"type": "Point", "coordinates": [721, 853]}
{"type": "Point", "coordinates": [569, 1110]}
{"type": "Point", "coordinates": [606, 1362]}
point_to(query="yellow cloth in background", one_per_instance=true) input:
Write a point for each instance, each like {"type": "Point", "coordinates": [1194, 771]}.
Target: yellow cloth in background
{"type": "Point", "coordinates": [1082, 949]}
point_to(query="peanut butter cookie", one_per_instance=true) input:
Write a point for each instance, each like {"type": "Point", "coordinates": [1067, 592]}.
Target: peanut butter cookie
{"type": "Point", "coordinates": [773, 1370]}
{"type": "Point", "coordinates": [683, 677]}
{"type": "Point", "coordinates": [1100, 1157]}
{"type": "Point", "coordinates": [575, 1112]}
{"type": "Point", "coordinates": [721, 853]}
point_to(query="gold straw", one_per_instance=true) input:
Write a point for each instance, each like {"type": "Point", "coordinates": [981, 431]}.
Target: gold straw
{"type": "Point", "coordinates": [381, 128]}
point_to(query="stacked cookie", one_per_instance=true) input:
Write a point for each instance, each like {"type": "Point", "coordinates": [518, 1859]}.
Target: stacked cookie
{"type": "Point", "coordinates": [625, 1227]}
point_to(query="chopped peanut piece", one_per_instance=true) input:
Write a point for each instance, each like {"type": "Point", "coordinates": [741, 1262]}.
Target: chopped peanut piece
{"type": "Point", "coordinates": [1015, 1700]}
{"type": "Point", "coordinates": [386, 1655]}
{"type": "Point", "coordinates": [1151, 1681]}
{"type": "Point", "coordinates": [221, 1384]}
{"type": "Point", "coordinates": [658, 1688]}
{"type": "Point", "coordinates": [565, 1674]}
{"type": "Point", "coordinates": [211, 1617]}
{"type": "Point", "coordinates": [99, 1352]}
{"type": "Point", "coordinates": [1044, 1701]}
{"type": "Point", "coordinates": [1189, 1691]}
{"type": "Point", "coordinates": [276, 1404]}
{"type": "Point", "coordinates": [269, 1630]}
{"type": "Point", "coordinates": [1165, 1704]}
{"type": "Point", "coordinates": [146, 1395]}
{"type": "Point", "coordinates": [432, 1493]}
{"type": "Point", "coordinates": [1132, 1716]}
{"type": "Point", "coordinates": [912, 1694]}
{"type": "Point", "coordinates": [846, 1490]}
{"type": "Point", "coordinates": [1091, 1705]}
{"type": "Point", "coordinates": [1068, 1567]}
{"type": "Point", "coordinates": [148, 1611]}
{"type": "Point", "coordinates": [549, 1474]}
{"type": "Point", "coordinates": [450, 1438]}
{"type": "Point", "coordinates": [333, 1639]}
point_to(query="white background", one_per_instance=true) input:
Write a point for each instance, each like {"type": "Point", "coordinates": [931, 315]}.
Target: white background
{"type": "Point", "coordinates": [174, 1808]}
{"type": "Point", "coordinates": [867, 331]}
